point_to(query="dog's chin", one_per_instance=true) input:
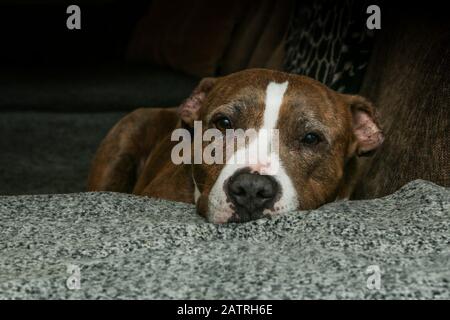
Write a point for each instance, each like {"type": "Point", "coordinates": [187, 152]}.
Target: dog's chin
{"type": "Point", "coordinates": [218, 210]}
{"type": "Point", "coordinates": [220, 218]}
{"type": "Point", "coordinates": [220, 215]}
{"type": "Point", "coordinates": [214, 211]}
{"type": "Point", "coordinates": [226, 216]}
{"type": "Point", "coordinates": [229, 215]}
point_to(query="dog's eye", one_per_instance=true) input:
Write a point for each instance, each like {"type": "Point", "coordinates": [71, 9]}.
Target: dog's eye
{"type": "Point", "coordinates": [223, 123]}
{"type": "Point", "coordinates": [311, 139]}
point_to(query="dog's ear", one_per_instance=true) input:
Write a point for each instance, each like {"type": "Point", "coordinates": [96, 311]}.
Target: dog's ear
{"type": "Point", "coordinates": [366, 129]}
{"type": "Point", "coordinates": [189, 110]}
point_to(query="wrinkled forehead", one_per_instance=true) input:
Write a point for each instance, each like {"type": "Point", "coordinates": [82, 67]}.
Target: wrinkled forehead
{"type": "Point", "coordinates": [255, 94]}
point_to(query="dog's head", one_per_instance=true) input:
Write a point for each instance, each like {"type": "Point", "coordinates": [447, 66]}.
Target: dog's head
{"type": "Point", "coordinates": [319, 131]}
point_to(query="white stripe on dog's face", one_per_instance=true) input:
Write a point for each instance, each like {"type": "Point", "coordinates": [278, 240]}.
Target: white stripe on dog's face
{"type": "Point", "coordinates": [274, 99]}
{"type": "Point", "coordinates": [219, 209]}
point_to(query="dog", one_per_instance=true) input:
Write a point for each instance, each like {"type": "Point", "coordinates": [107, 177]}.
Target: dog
{"type": "Point", "coordinates": [321, 135]}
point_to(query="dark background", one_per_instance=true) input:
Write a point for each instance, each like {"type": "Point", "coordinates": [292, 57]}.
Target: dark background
{"type": "Point", "coordinates": [34, 32]}
{"type": "Point", "coordinates": [62, 90]}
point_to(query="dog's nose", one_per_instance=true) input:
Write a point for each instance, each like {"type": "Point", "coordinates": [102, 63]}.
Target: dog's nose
{"type": "Point", "coordinates": [253, 192]}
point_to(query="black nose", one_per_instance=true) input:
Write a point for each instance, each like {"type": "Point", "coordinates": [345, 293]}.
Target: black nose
{"type": "Point", "coordinates": [251, 193]}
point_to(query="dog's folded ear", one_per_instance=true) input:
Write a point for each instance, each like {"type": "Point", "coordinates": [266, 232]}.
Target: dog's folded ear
{"type": "Point", "coordinates": [366, 128]}
{"type": "Point", "coordinates": [189, 110]}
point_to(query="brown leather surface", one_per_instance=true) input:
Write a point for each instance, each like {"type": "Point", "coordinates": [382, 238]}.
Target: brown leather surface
{"type": "Point", "coordinates": [188, 36]}
{"type": "Point", "coordinates": [258, 40]}
{"type": "Point", "coordinates": [202, 39]}
{"type": "Point", "coordinates": [408, 80]}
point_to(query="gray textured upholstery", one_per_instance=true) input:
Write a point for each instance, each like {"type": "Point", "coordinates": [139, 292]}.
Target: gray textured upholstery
{"type": "Point", "coordinates": [52, 120]}
{"type": "Point", "coordinates": [136, 247]}
{"type": "Point", "coordinates": [97, 88]}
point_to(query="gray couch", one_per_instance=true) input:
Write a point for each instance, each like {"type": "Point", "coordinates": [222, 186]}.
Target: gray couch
{"type": "Point", "coordinates": [134, 247]}
{"type": "Point", "coordinates": [52, 120]}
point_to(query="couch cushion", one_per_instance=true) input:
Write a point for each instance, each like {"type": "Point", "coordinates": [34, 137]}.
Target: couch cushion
{"type": "Point", "coordinates": [190, 36]}
{"type": "Point", "coordinates": [258, 40]}
{"type": "Point", "coordinates": [96, 88]}
{"type": "Point", "coordinates": [44, 152]}
{"type": "Point", "coordinates": [129, 247]}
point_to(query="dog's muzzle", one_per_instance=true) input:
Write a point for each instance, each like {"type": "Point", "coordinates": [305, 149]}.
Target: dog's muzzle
{"type": "Point", "coordinates": [251, 194]}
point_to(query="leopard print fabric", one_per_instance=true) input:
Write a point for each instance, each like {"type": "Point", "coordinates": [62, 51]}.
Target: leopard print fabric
{"type": "Point", "coordinates": [329, 41]}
